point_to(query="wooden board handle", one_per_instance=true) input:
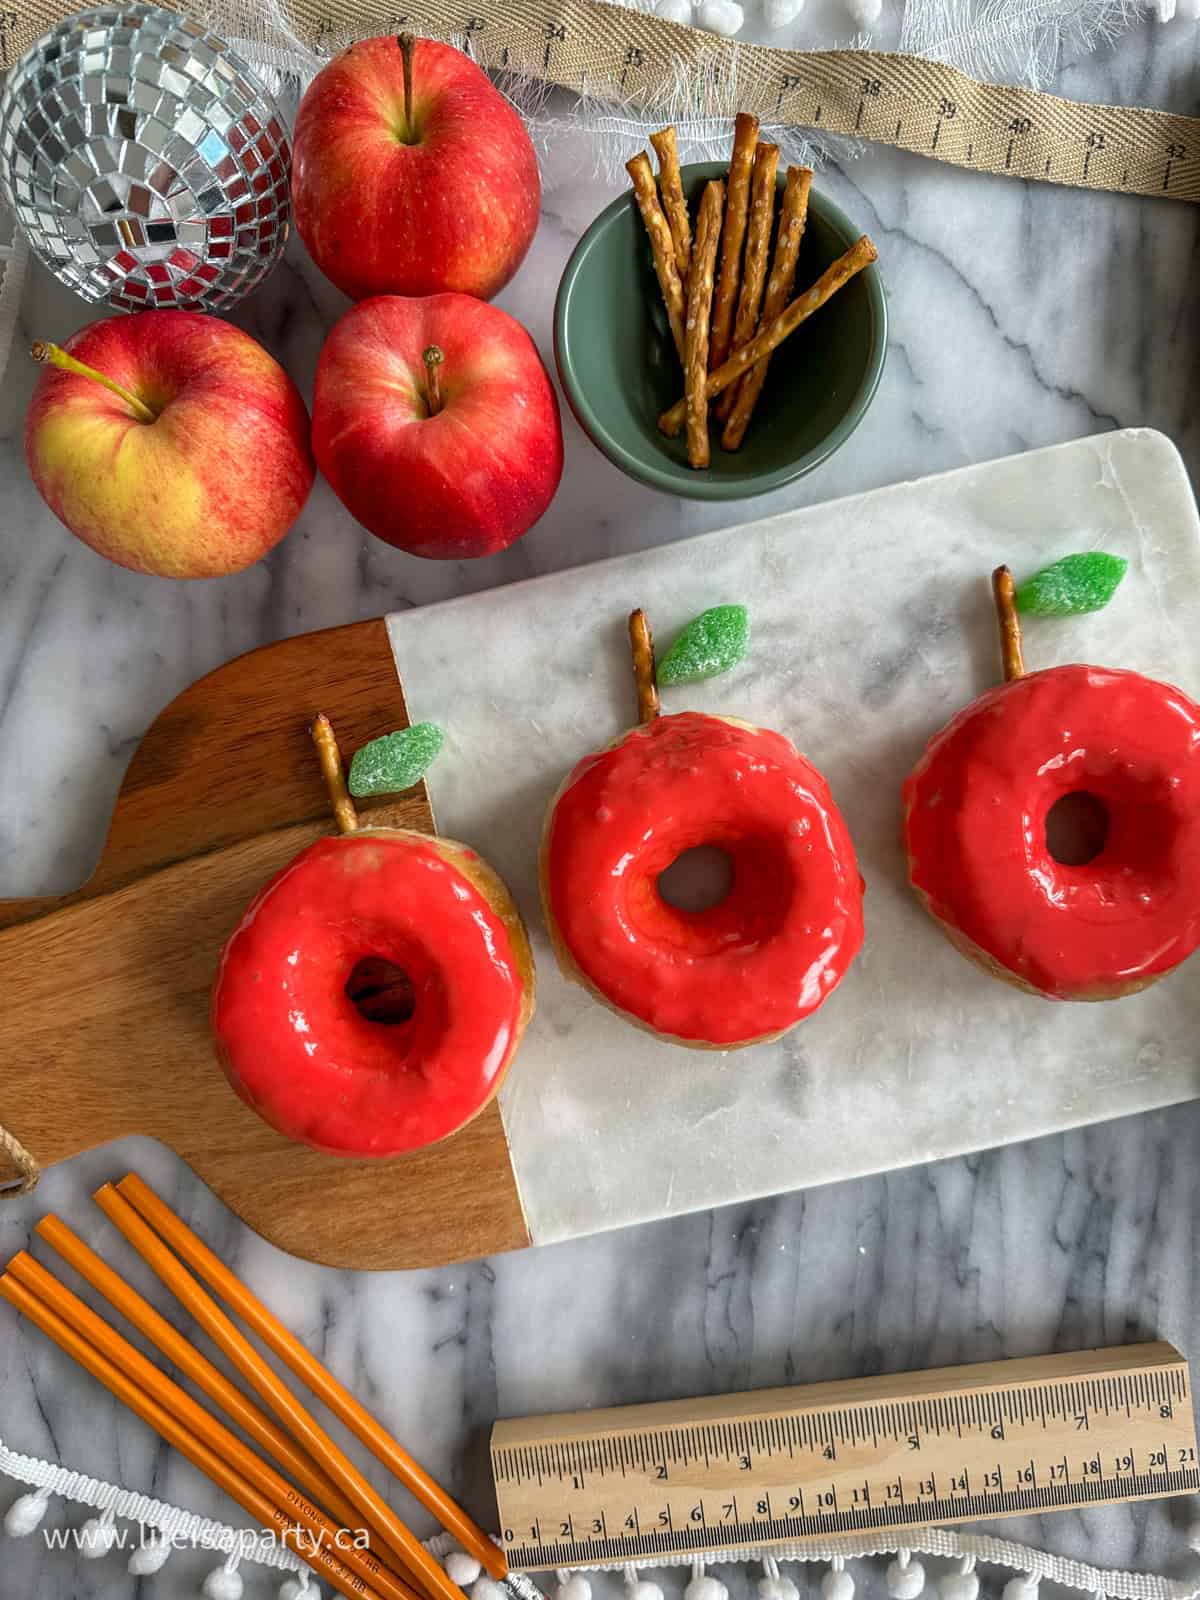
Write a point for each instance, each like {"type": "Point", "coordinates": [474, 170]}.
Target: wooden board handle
{"type": "Point", "coordinates": [112, 1034]}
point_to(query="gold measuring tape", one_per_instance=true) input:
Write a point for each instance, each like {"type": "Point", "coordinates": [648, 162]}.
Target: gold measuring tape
{"type": "Point", "coordinates": [903, 101]}
{"type": "Point", "coordinates": [871, 1455]}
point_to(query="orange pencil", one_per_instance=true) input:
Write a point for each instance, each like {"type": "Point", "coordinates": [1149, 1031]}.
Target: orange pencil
{"type": "Point", "coordinates": [192, 1416]}
{"type": "Point", "coordinates": [303, 1427]}
{"type": "Point", "coordinates": [265, 1511]}
{"type": "Point", "coordinates": [319, 1379]}
{"type": "Point", "coordinates": [265, 1433]}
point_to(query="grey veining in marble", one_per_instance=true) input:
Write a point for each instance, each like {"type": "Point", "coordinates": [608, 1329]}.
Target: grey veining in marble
{"type": "Point", "coordinates": [1020, 316]}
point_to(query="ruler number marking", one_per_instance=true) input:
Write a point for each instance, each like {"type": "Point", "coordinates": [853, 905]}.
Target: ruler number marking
{"type": "Point", "coordinates": [571, 1485]}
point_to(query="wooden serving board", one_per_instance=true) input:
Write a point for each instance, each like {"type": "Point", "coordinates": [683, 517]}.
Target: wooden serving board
{"type": "Point", "coordinates": [111, 1036]}
{"type": "Point", "coordinates": [872, 625]}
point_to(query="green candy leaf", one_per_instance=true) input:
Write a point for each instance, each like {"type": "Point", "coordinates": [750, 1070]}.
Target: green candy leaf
{"type": "Point", "coordinates": [395, 762]}
{"type": "Point", "coordinates": [1073, 585]}
{"type": "Point", "coordinates": [710, 644]}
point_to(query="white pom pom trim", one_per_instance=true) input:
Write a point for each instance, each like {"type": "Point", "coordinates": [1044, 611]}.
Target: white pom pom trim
{"type": "Point", "coordinates": [224, 1583]}
{"type": "Point", "coordinates": [301, 1588]}
{"type": "Point", "coordinates": [905, 1577]}
{"type": "Point", "coordinates": [149, 1558]}
{"type": "Point", "coordinates": [461, 1568]}
{"type": "Point", "coordinates": [97, 1537]}
{"type": "Point", "coordinates": [25, 1515]}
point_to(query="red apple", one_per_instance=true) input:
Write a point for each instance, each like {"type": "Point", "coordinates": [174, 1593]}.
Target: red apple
{"type": "Point", "coordinates": [397, 194]}
{"type": "Point", "coordinates": [170, 442]}
{"type": "Point", "coordinates": [436, 424]}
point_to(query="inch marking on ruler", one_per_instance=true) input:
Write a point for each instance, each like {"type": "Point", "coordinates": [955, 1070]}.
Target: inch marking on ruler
{"type": "Point", "coordinates": [774, 1467]}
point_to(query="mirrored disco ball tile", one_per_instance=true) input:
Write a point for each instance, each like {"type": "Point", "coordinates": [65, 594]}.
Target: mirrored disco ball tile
{"type": "Point", "coordinates": [144, 160]}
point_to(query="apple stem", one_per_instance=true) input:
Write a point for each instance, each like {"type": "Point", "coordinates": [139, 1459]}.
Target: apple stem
{"type": "Point", "coordinates": [330, 758]}
{"type": "Point", "coordinates": [43, 351]}
{"type": "Point", "coordinates": [1011, 651]}
{"type": "Point", "coordinates": [433, 359]}
{"type": "Point", "coordinates": [641, 643]}
{"type": "Point", "coordinates": [408, 48]}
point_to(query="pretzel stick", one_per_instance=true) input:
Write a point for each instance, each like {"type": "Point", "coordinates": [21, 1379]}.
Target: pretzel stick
{"type": "Point", "coordinates": [741, 163]}
{"type": "Point", "coordinates": [758, 245]}
{"type": "Point", "coordinates": [641, 645]}
{"type": "Point", "coordinates": [792, 217]}
{"type": "Point", "coordinates": [700, 297]}
{"type": "Point", "coordinates": [330, 758]}
{"type": "Point", "coordinates": [1011, 652]}
{"type": "Point", "coordinates": [671, 183]}
{"type": "Point", "coordinates": [835, 277]}
{"type": "Point", "coordinates": [660, 243]}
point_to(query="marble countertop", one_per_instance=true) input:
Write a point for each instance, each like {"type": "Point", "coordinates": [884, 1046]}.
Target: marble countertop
{"type": "Point", "coordinates": [1020, 316]}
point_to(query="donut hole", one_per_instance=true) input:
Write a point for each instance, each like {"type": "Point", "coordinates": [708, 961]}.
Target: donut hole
{"type": "Point", "coordinates": [381, 991]}
{"type": "Point", "coordinates": [723, 891]}
{"type": "Point", "coordinates": [1077, 826]}
{"type": "Point", "coordinates": [698, 879]}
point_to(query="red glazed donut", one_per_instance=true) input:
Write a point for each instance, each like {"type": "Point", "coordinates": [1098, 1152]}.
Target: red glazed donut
{"type": "Point", "coordinates": [294, 1044]}
{"type": "Point", "coordinates": [975, 831]}
{"type": "Point", "coordinates": [751, 966]}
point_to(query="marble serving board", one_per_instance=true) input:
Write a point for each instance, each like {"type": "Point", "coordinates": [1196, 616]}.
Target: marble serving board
{"type": "Point", "coordinates": [872, 624]}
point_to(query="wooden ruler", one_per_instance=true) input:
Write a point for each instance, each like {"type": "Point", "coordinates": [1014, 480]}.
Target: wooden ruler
{"type": "Point", "coordinates": [770, 1468]}
{"type": "Point", "coordinates": [917, 105]}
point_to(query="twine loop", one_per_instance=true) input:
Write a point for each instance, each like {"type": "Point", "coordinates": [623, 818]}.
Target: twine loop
{"type": "Point", "coordinates": [29, 1173]}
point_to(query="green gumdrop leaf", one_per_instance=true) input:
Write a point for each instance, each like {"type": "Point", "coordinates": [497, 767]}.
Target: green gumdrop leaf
{"type": "Point", "coordinates": [1073, 585]}
{"type": "Point", "coordinates": [395, 762]}
{"type": "Point", "coordinates": [710, 644]}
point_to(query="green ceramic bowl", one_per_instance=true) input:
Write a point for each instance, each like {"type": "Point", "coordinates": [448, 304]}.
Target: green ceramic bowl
{"type": "Point", "coordinates": [619, 370]}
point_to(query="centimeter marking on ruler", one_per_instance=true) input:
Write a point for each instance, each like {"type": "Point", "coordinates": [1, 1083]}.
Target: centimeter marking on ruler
{"type": "Point", "coordinates": [757, 1470]}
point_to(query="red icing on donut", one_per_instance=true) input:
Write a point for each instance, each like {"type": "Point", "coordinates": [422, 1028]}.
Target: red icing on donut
{"type": "Point", "coordinates": [780, 941]}
{"type": "Point", "coordinates": [295, 1046]}
{"type": "Point", "coordinates": [975, 828]}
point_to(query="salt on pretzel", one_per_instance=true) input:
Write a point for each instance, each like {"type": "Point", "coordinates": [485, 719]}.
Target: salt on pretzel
{"type": "Point", "coordinates": [835, 277]}
{"type": "Point", "coordinates": [758, 248]}
{"type": "Point", "coordinates": [699, 308]}
{"type": "Point", "coordinates": [737, 204]}
{"type": "Point", "coordinates": [793, 215]}
{"type": "Point", "coordinates": [661, 244]}
{"type": "Point", "coordinates": [670, 181]}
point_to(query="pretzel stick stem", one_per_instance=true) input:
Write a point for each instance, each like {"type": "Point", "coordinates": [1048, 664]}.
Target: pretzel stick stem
{"type": "Point", "coordinates": [670, 181]}
{"type": "Point", "coordinates": [737, 204]}
{"type": "Point", "coordinates": [641, 645]}
{"type": "Point", "coordinates": [754, 268]}
{"type": "Point", "coordinates": [1011, 652]}
{"type": "Point", "coordinates": [835, 277]}
{"type": "Point", "coordinates": [699, 309]}
{"type": "Point", "coordinates": [792, 217]}
{"type": "Point", "coordinates": [330, 758]}
{"type": "Point", "coordinates": [661, 245]}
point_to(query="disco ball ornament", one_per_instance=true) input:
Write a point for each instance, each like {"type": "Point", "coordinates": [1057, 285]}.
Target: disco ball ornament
{"type": "Point", "coordinates": [145, 162]}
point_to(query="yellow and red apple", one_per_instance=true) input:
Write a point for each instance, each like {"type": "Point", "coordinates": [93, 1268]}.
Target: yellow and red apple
{"type": "Point", "coordinates": [412, 193]}
{"type": "Point", "coordinates": [170, 442]}
{"type": "Point", "coordinates": [436, 424]}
